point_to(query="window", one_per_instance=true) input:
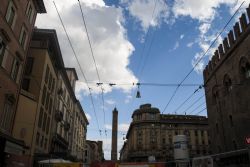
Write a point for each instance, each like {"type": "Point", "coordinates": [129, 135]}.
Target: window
{"type": "Point", "coordinates": [2, 50]}
{"type": "Point", "coordinates": [176, 132]}
{"type": "Point", "coordinates": [139, 116]}
{"type": "Point", "coordinates": [47, 74]}
{"type": "Point", "coordinates": [50, 81]}
{"type": "Point", "coordinates": [47, 126]}
{"type": "Point", "coordinates": [47, 101]}
{"type": "Point", "coordinates": [163, 140]}
{"type": "Point", "coordinates": [196, 133]}
{"type": "Point", "coordinates": [44, 94]}
{"type": "Point", "coordinates": [50, 105]}
{"type": "Point", "coordinates": [45, 143]}
{"type": "Point", "coordinates": [152, 116]}
{"type": "Point", "coordinates": [53, 84]}
{"type": "Point", "coordinates": [30, 12]}
{"type": "Point", "coordinates": [231, 120]}
{"type": "Point", "coordinates": [11, 14]}
{"type": "Point", "coordinates": [7, 114]}
{"type": "Point", "coordinates": [44, 120]}
{"type": "Point", "coordinates": [245, 68]}
{"type": "Point", "coordinates": [40, 118]}
{"type": "Point", "coordinates": [227, 82]}
{"type": "Point", "coordinates": [217, 127]}
{"type": "Point", "coordinates": [198, 151]}
{"type": "Point", "coordinates": [235, 145]}
{"type": "Point", "coordinates": [37, 138]}
{"type": "Point", "coordinates": [23, 37]}
{"type": "Point", "coordinates": [26, 84]}
{"type": "Point", "coordinates": [15, 69]}
{"type": "Point", "coordinates": [29, 65]}
{"type": "Point", "coordinates": [41, 142]}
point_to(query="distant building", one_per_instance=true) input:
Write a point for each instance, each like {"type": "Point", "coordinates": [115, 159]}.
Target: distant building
{"type": "Point", "coordinates": [151, 134]}
{"type": "Point", "coordinates": [79, 133]}
{"type": "Point", "coordinates": [17, 19]}
{"type": "Point", "coordinates": [227, 89]}
{"type": "Point", "coordinates": [93, 152]}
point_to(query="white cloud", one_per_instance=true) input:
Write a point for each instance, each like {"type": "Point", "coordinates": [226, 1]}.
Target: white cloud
{"type": "Point", "coordinates": [128, 99]}
{"type": "Point", "coordinates": [123, 127]}
{"type": "Point", "coordinates": [108, 126]}
{"type": "Point", "coordinates": [88, 116]}
{"type": "Point", "coordinates": [176, 45]}
{"type": "Point", "coordinates": [190, 44]}
{"type": "Point", "coordinates": [110, 101]}
{"type": "Point", "coordinates": [111, 48]}
{"type": "Point", "coordinates": [204, 11]}
{"type": "Point", "coordinates": [148, 12]}
{"type": "Point", "coordinates": [182, 36]}
{"type": "Point", "coordinates": [204, 27]}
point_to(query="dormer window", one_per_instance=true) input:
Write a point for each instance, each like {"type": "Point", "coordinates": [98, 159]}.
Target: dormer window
{"type": "Point", "coordinates": [139, 116]}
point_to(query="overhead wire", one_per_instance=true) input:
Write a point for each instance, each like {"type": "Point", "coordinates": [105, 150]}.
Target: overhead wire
{"type": "Point", "coordinates": [201, 111]}
{"type": "Point", "coordinates": [93, 57]}
{"type": "Point", "coordinates": [190, 106]}
{"type": "Point", "coordinates": [198, 61]}
{"type": "Point", "coordinates": [74, 53]}
{"type": "Point", "coordinates": [197, 107]}
{"type": "Point", "coordinates": [189, 97]}
{"type": "Point", "coordinates": [146, 38]}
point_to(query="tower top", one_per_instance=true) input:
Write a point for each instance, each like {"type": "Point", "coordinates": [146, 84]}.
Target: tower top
{"type": "Point", "coordinates": [115, 110]}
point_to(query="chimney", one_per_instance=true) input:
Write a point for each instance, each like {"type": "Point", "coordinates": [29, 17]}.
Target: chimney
{"type": "Point", "coordinates": [114, 135]}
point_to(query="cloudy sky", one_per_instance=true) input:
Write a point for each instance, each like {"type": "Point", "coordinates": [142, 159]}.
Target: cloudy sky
{"type": "Point", "coordinates": [146, 41]}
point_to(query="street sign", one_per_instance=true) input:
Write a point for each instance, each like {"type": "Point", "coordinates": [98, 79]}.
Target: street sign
{"type": "Point", "coordinates": [248, 140]}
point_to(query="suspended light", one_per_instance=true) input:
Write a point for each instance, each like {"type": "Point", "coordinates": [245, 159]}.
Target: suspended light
{"type": "Point", "coordinates": [138, 94]}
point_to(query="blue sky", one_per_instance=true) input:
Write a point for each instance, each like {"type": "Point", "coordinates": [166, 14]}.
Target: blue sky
{"type": "Point", "coordinates": [146, 41]}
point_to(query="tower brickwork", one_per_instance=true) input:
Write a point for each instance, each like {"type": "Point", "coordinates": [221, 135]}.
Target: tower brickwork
{"type": "Point", "coordinates": [114, 135]}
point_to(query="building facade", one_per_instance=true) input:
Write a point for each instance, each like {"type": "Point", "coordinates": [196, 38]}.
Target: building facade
{"type": "Point", "coordinates": [93, 152]}
{"type": "Point", "coordinates": [79, 133]}
{"type": "Point", "coordinates": [49, 104]}
{"type": "Point", "coordinates": [63, 127]}
{"type": "Point", "coordinates": [38, 94]}
{"type": "Point", "coordinates": [17, 20]}
{"type": "Point", "coordinates": [151, 134]}
{"type": "Point", "coordinates": [227, 87]}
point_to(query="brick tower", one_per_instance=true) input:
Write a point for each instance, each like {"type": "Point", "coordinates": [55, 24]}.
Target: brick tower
{"type": "Point", "coordinates": [114, 135]}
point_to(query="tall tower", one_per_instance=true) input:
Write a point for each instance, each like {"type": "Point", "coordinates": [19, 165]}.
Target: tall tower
{"type": "Point", "coordinates": [114, 135]}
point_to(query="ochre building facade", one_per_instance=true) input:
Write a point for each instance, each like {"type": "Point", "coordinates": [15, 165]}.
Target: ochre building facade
{"type": "Point", "coordinates": [151, 134]}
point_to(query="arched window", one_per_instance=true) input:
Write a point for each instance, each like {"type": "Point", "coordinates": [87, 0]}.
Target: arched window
{"type": "Point", "coordinates": [227, 82]}
{"type": "Point", "coordinates": [215, 94]}
{"type": "Point", "coordinates": [244, 68]}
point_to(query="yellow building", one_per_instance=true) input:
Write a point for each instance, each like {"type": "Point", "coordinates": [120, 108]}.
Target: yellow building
{"type": "Point", "coordinates": [35, 111]}
{"type": "Point", "coordinates": [79, 133]}
{"type": "Point", "coordinates": [151, 134]}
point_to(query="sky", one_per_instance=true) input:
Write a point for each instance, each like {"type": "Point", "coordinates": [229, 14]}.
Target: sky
{"type": "Point", "coordinates": [152, 42]}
